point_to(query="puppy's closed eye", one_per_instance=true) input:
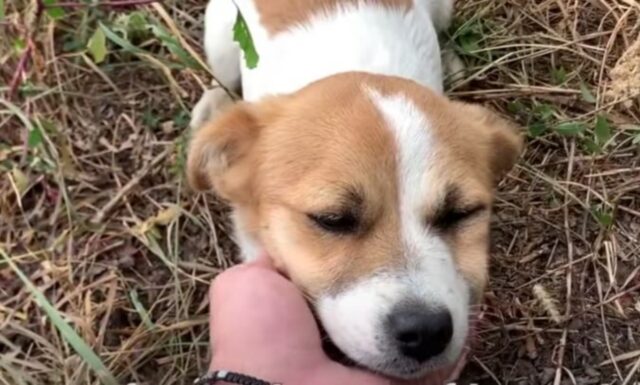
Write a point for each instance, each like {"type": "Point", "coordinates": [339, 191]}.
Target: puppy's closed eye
{"type": "Point", "coordinates": [449, 218]}
{"type": "Point", "coordinates": [336, 223]}
{"type": "Point", "coordinates": [453, 211]}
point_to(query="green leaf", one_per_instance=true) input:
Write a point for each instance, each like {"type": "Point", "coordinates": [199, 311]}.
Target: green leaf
{"type": "Point", "coordinates": [132, 25]}
{"type": "Point", "coordinates": [515, 107]}
{"type": "Point", "coordinates": [34, 138]}
{"type": "Point", "coordinates": [591, 146]}
{"type": "Point", "coordinates": [604, 217]}
{"type": "Point", "coordinates": [544, 111]}
{"type": "Point", "coordinates": [470, 42]}
{"type": "Point", "coordinates": [19, 45]}
{"type": "Point", "coordinates": [97, 46]}
{"type": "Point", "coordinates": [602, 131]}
{"type": "Point", "coordinates": [570, 128]}
{"type": "Point", "coordinates": [636, 139]}
{"type": "Point", "coordinates": [67, 333]}
{"type": "Point", "coordinates": [242, 36]}
{"type": "Point", "coordinates": [1, 10]}
{"type": "Point", "coordinates": [174, 46]}
{"type": "Point", "coordinates": [181, 119]}
{"type": "Point", "coordinates": [53, 11]}
{"type": "Point", "coordinates": [137, 21]}
{"type": "Point", "coordinates": [469, 36]}
{"type": "Point", "coordinates": [72, 43]}
{"type": "Point", "coordinates": [537, 128]}
{"type": "Point", "coordinates": [150, 118]}
{"type": "Point", "coordinates": [27, 88]}
{"type": "Point", "coordinates": [587, 96]}
{"type": "Point", "coordinates": [559, 75]}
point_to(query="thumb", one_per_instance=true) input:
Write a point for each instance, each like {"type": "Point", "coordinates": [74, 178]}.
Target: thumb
{"type": "Point", "coordinates": [331, 372]}
{"type": "Point", "coordinates": [255, 311]}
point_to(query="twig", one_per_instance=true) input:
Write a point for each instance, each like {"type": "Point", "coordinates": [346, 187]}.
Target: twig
{"type": "Point", "coordinates": [487, 370]}
{"type": "Point", "coordinates": [132, 182]}
{"type": "Point", "coordinates": [633, 371]}
{"type": "Point", "coordinates": [621, 357]}
{"type": "Point", "coordinates": [569, 273]}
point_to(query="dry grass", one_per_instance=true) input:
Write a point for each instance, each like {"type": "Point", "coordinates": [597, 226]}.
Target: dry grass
{"type": "Point", "coordinates": [94, 210]}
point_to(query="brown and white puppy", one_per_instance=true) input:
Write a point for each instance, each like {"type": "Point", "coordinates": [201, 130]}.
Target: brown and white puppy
{"type": "Point", "coordinates": [347, 166]}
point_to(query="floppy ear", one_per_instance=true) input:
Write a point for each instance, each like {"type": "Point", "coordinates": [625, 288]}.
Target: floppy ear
{"type": "Point", "coordinates": [504, 139]}
{"type": "Point", "coordinates": [220, 153]}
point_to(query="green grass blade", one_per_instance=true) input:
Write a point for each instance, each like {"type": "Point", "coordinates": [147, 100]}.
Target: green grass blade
{"type": "Point", "coordinates": [144, 314]}
{"type": "Point", "coordinates": [128, 47]}
{"type": "Point", "coordinates": [121, 42]}
{"type": "Point", "coordinates": [173, 45]}
{"type": "Point", "coordinates": [70, 335]}
{"type": "Point", "coordinates": [19, 113]}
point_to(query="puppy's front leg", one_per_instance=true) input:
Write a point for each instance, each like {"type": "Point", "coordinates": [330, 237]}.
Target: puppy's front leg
{"type": "Point", "coordinates": [209, 106]}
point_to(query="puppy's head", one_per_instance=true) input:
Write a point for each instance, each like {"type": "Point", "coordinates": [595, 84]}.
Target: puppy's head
{"type": "Point", "coordinates": [373, 194]}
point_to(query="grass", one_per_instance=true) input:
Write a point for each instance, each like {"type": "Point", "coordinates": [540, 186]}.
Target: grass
{"type": "Point", "coordinates": [95, 213]}
{"type": "Point", "coordinates": [67, 333]}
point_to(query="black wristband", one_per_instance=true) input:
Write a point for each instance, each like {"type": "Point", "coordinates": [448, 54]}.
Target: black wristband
{"type": "Point", "coordinates": [230, 377]}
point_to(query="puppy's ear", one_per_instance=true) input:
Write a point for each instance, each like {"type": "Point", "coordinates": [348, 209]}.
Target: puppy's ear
{"type": "Point", "coordinates": [221, 155]}
{"type": "Point", "coordinates": [503, 138]}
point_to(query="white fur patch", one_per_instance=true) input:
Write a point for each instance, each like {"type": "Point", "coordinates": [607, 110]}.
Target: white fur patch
{"type": "Point", "coordinates": [355, 317]}
{"type": "Point", "coordinates": [250, 248]}
{"type": "Point", "coordinates": [223, 54]}
{"type": "Point", "coordinates": [437, 280]}
{"type": "Point", "coordinates": [368, 38]}
{"type": "Point", "coordinates": [416, 151]}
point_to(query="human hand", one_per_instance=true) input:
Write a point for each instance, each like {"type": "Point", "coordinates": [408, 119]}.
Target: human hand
{"type": "Point", "coordinates": [261, 326]}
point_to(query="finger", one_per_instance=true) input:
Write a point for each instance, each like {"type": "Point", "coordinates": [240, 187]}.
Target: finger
{"type": "Point", "coordinates": [330, 372]}
{"type": "Point", "coordinates": [266, 261]}
{"type": "Point", "coordinates": [256, 311]}
{"type": "Point", "coordinates": [263, 260]}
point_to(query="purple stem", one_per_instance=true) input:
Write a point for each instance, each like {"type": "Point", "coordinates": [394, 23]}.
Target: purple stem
{"type": "Point", "coordinates": [122, 3]}
{"type": "Point", "coordinates": [20, 69]}
{"type": "Point", "coordinates": [40, 7]}
{"type": "Point", "coordinates": [26, 55]}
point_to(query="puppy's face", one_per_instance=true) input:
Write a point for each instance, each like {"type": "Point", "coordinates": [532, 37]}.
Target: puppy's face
{"type": "Point", "coordinates": [373, 194]}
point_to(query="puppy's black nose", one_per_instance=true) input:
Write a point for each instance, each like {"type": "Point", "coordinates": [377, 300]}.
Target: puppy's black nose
{"type": "Point", "coordinates": [420, 333]}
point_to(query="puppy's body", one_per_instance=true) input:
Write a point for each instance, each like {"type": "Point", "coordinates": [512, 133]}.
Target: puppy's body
{"type": "Point", "coordinates": [302, 41]}
{"type": "Point", "coordinates": [349, 168]}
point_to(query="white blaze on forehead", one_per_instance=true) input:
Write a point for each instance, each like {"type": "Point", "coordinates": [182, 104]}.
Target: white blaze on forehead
{"type": "Point", "coordinates": [431, 270]}
{"type": "Point", "coordinates": [416, 152]}
{"type": "Point", "coordinates": [416, 149]}
{"type": "Point", "coordinates": [355, 318]}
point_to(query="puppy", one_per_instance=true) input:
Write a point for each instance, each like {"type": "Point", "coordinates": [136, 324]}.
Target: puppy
{"type": "Point", "coordinates": [347, 165]}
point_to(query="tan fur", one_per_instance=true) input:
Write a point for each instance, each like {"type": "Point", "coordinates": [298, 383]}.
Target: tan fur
{"type": "Point", "coordinates": [303, 150]}
{"type": "Point", "coordinates": [279, 15]}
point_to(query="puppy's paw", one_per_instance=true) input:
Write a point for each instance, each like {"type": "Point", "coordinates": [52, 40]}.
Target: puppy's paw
{"type": "Point", "coordinates": [209, 106]}
{"type": "Point", "coordinates": [453, 67]}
